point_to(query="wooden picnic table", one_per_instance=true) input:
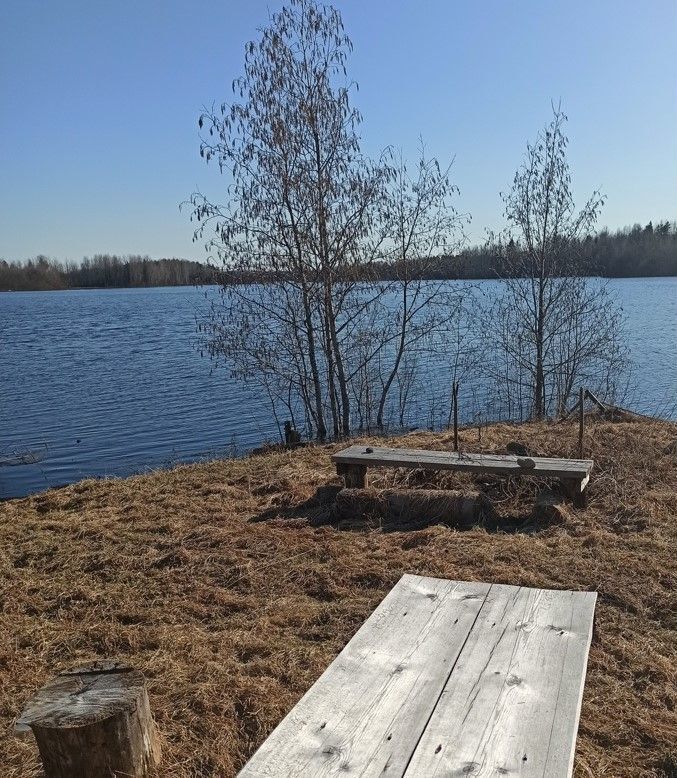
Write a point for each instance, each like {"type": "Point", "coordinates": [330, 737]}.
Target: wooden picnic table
{"type": "Point", "coordinates": [445, 678]}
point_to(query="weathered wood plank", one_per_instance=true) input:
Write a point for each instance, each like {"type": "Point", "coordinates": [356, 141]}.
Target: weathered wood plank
{"type": "Point", "coordinates": [445, 678]}
{"type": "Point", "coordinates": [366, 713]}
{"type": "Point", "coordinates": [512, 703]}
{"type": "Point", "coordinates": [452, 460]}
{"type": "Point", "coordinates": [361, 453]}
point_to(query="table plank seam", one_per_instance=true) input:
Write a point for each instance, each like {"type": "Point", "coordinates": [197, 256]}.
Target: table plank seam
{"type": "Point", "coordinates": [444, 685]}
{"type": "Point", "coordinates": [588, 641]}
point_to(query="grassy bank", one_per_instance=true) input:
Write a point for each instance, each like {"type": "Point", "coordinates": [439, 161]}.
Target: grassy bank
{"type": "Point", "coordinates": [232, 619]}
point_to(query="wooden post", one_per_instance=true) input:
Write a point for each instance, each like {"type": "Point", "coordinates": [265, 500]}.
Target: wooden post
{"type": "Point", "coordinates": [93, 721]}
{"type": "Point", "coordinates": [576, 491]}
{"type": "Point", "coordinates": [455, 396]}
{"type": "Point", "coordinates": [580, 496]}
{"type": "Point", "coordinates": [581, 421]}
{"type": "Point", "coordinates": [291, 436]}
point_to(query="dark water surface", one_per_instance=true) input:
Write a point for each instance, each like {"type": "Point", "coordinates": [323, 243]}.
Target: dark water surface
{"type": "Point", "coordinates": [110, 382]}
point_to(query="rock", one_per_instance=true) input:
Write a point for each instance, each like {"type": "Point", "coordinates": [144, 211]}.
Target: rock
{"type": "Point", "coordinates": [518, 449]}
{"type": "Point", "coordinates": [549, 508]}
{"type": "Point", "coordinates": [526, 463]}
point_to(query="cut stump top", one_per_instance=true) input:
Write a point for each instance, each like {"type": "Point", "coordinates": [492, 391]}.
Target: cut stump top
{"type": "Point", "coordinates": [83, 696]}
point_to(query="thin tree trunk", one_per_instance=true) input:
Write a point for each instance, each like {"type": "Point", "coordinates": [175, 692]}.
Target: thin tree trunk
{"type": "Point", "coordinates": [310, 330]}
{"type": "Point", "coordinates": [539, 388]}
{"type": "Point", "coordinates": [396, 366]}
{"type": "Point", "coordinates": [331, 384]}
{"type": "Point", "coordinates": [338, 359]}
{"type": "Point", "coordinates": [330, 315]}
{"type": "Point", "coordinates": [312, 358]}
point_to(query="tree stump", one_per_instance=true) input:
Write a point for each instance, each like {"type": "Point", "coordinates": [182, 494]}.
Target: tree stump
{"type": "Point", "coordinates": [292, 438]}
{"type": "Point", "coordinates": [93, 721]}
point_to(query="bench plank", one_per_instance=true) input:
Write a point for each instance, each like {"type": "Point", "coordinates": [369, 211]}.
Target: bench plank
{"type": "Point", "coordinates": [512, 704]}
{"type": "Point", "coordinates": [367, 711]}
{"type": "Point", "coordinates": [454, 460]}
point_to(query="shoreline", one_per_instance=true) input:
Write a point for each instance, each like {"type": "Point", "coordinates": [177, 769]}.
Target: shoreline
{"type": "Point", "coordinates": [183, 286]}
{"type": "Point", "coordinates": [268, 447]}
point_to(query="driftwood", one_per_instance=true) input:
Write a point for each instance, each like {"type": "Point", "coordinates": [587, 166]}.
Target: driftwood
{"type": "Point", "coordinates": [93, 721]}
{"type": "Point", "coordinates": [606, 412]}
{"type": "Point", "coordinates": [410, 509]}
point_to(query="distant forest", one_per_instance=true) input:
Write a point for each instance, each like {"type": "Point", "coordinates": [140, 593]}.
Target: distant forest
{"type": "Point", "coordinates": [102, 271]}
{"type": "Point", "coordinates": [626, 253]}
{"type": "Point", "coordinates": [633, 251]}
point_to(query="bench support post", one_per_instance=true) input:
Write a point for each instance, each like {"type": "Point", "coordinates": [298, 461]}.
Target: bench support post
{"type": "Point", "coordinates": [575, 489]}
{"type": "Point", "coordinates": [354, 476]}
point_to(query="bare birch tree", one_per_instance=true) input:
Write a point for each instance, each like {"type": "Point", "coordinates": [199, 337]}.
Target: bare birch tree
{"type": "Point", "coordinates": [423, 226]}
{"type": "Point", "coordinates": [311, 218]}
{"type": "Point", "coordinates": [301, 207]}
{"type": "Point", "coordinates": [553, 327]}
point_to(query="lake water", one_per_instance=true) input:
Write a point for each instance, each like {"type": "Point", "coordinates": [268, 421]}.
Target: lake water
{"type": "Point", "coordinates": [110, 382]}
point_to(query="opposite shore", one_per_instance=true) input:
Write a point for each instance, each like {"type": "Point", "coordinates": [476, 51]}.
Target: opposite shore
{"type": "Point", "coordinates": [632, 252]}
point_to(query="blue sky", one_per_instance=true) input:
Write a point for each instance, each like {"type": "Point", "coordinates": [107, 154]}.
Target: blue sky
{"type": "Point", "coordinates": [99, 104]}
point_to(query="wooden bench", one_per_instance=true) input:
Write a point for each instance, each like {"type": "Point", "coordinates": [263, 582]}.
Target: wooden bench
{"type": "Point", "coordinates": [352, 464]}
{"type": "Point", "coordinates": [445, 678]}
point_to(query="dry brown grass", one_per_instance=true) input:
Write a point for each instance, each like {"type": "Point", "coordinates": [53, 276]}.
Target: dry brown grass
{"type": "Point", "coordinates": [232, 620]}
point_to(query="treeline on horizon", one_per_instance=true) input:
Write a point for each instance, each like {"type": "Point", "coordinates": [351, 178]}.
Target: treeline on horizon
{"type": "Point", "coordinates": [630, 252]}
{"type": "Point", "coordinates": [103, 271]}
{"type": "Point", "coordinates": [626, 253]}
